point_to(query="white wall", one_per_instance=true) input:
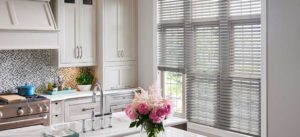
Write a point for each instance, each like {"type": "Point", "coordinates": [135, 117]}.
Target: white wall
{"type": "Point", "coordinates": [283, 66]}
{"type": "Point", "coordinates": [147, 69]}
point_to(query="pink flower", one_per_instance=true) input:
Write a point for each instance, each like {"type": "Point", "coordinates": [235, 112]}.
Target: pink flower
{"type": "Point", "coordinates": [143, 108]}
{"type": "Point", "coordinates": [154, 91]}
{"type": "Point", "coordinates": [167, 105]}
{"type": "Point", "coordinates": [131, 112]}
{"type": "Point", "coordinates": [168, 109]}
{"type": "Point", "coordinates": [157, 115]}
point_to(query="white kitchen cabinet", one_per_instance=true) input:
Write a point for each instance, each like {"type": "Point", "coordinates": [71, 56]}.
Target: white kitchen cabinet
{"type": "Point", "coordinates": [76, 106]}
{"type": "Point", "coordinates": [117, 102]}
{"type": "Point", "coordinates": [118, 77]}
{"type": "Point", "coordinates": [56, 112]}
{"type": "Point", "coordinates": [81, 108]}
{"type": "Point", "coordinates": [77, 22]}
{"type": "Point", "coordinates": [117, 35]}
{"type": "Point", "coordinates": [119, 30]}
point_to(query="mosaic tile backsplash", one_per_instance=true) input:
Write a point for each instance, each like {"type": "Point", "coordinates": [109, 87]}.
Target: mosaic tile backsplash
{"type": "Point", "coordinates": [18, 67]}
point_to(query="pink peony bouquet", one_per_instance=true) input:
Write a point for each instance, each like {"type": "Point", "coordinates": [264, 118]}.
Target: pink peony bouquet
{"type": "Point", "coordinates": [149, 110]}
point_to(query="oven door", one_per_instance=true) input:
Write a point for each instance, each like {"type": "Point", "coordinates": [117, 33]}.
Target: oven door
{"type": "Point", "coordinates": [24, 121]}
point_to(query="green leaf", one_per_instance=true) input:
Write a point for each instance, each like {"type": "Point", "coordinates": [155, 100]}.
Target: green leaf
{"type": "Point", "coordinates": [85, 78]}
{"type": "Point", "coordinates": [138, 123]}
{"type": "Point", "coordinates": [132, 124]}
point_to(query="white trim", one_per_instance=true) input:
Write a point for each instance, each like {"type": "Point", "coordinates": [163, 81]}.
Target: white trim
{"type": "Point", "coordinates": [155, 62]}
{"type": "Point", "coordinates": [264, 90]}
{"type": "Point", "coordinates": [213, 131]}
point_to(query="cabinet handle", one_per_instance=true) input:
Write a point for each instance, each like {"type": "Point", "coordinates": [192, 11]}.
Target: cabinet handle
{"type": "Point", "coordinates": [122, 53]}
{"type": "Point", "coordinates": [80, 51]}
{"type": "Point", "coordinates": [86, 109]}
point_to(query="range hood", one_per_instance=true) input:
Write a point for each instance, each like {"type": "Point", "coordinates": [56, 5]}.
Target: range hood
{"type": "Point", "coordinates": [27, 24]}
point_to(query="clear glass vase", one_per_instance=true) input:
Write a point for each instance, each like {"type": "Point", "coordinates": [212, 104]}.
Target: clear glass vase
{"type": "Point", "coordinates": [143, 132]}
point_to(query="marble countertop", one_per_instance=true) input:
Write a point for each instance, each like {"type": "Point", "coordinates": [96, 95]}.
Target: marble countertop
{"type": "Point", "coordinates": [120, 128]}
{"type": "Point", "coordinates": [78, 94]}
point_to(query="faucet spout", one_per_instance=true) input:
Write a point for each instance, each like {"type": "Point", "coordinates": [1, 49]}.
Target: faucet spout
{"type": "Point", "coordinates": [98, 87]}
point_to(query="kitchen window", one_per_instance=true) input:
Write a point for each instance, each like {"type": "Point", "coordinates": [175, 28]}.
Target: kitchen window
{"type": "Point", "coordinates": [173, 88]}
{"type": "Point", "coordinates": [216, 46]}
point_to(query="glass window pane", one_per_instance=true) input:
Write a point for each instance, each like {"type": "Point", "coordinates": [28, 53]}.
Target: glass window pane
{"type": "Point", "coordinates": [173, 89]}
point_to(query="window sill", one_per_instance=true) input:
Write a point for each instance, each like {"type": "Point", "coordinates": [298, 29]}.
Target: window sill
{"type": "Point", "coordinates": [213, 131]}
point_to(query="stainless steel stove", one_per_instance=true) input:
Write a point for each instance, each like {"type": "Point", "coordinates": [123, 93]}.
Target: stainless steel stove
{"type": "Point", "coordinates": [33, 111]}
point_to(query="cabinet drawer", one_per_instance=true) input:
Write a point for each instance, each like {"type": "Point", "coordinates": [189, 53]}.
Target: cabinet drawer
{"type": "Point", "coordinates": [55, 119]}
{"type": "Point", "coordinates": [118, 102]}
{"type": "Point", "coordinates": [80, 109]}
{"type": "Point", "coordinates": [56, 107]}
{"type": "Point", "coordinates": [121, 98]}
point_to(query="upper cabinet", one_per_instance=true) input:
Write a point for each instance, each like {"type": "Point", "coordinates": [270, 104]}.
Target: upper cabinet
{"type": "Point", "coordinates": [119, 30]}
{"type": "Point", "coordinates": [77, 21]}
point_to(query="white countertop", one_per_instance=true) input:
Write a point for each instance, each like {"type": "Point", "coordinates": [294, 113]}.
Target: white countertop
{"type": "Point", "coordinates": [120, 128]}
{"type": "Point", "coordinates": [78, 94]}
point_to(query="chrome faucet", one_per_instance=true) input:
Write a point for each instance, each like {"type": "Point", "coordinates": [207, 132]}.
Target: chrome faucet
{"type": "Point", "coordinates": [98, 87]}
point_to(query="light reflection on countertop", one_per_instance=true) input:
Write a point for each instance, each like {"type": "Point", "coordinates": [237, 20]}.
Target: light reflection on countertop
{"type": "Point", "coordinates": [120, 128]}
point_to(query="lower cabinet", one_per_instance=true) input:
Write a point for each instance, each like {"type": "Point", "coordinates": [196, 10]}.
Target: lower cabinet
{"type": "Point", "coordinates": [57, 114]}
{"type": "Point", "coordinates": [118, 102]}
{"type": "Point", "coordinates": [55, 119]}
{"type": "Point", "coordinates": [79, 108]}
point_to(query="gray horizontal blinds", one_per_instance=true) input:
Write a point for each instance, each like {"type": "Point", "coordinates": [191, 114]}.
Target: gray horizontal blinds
{"type": "Point", "coordinates": [171, 36]}
{"type": "Point", "coordinates": [217, 43]}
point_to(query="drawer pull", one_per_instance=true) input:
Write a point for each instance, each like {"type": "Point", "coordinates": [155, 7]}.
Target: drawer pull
{"type": "Point", "coordinates": [86, 109]}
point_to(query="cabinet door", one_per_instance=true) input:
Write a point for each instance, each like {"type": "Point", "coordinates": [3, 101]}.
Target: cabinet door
{"type": "Point", "coordinates": [111, 78]}
{"type": "Point", "coordinates": [126, 29]}
{"type": "Point", "coordinates": [87, 31]}
{"type": "Point", "coordinates": [128, 77]}
{"type": "Point", "coordinates": [110, 40]}
{"type": "Point", "coordinates": [119, 77]}
{"type": "Point", "coordinates": [69, 49]}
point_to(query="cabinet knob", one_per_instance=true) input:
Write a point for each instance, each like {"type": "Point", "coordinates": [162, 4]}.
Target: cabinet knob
{"type": "Point", "coordinates": [20, 112]}
{"type": "Point", "coordinates": [29, 110]}
{"type": "Point", "coordinates": [39, 109]}
{"type": "Point", "coordinates": [46, 108]}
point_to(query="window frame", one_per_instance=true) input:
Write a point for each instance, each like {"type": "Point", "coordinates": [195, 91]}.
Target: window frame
{"type": "Point", "coordinates": [225, 133]}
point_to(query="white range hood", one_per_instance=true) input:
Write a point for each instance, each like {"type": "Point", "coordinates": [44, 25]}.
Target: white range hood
{"type": "Point", "coordinates": [27, 24]}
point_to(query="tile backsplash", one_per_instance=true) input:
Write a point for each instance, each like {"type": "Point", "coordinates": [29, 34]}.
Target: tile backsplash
{"type": "Point", "coordinates": [18, 67]}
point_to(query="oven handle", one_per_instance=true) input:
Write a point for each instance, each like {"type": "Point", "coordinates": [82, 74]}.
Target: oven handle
{"type": "Point", "coordinates": [43, 117]}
